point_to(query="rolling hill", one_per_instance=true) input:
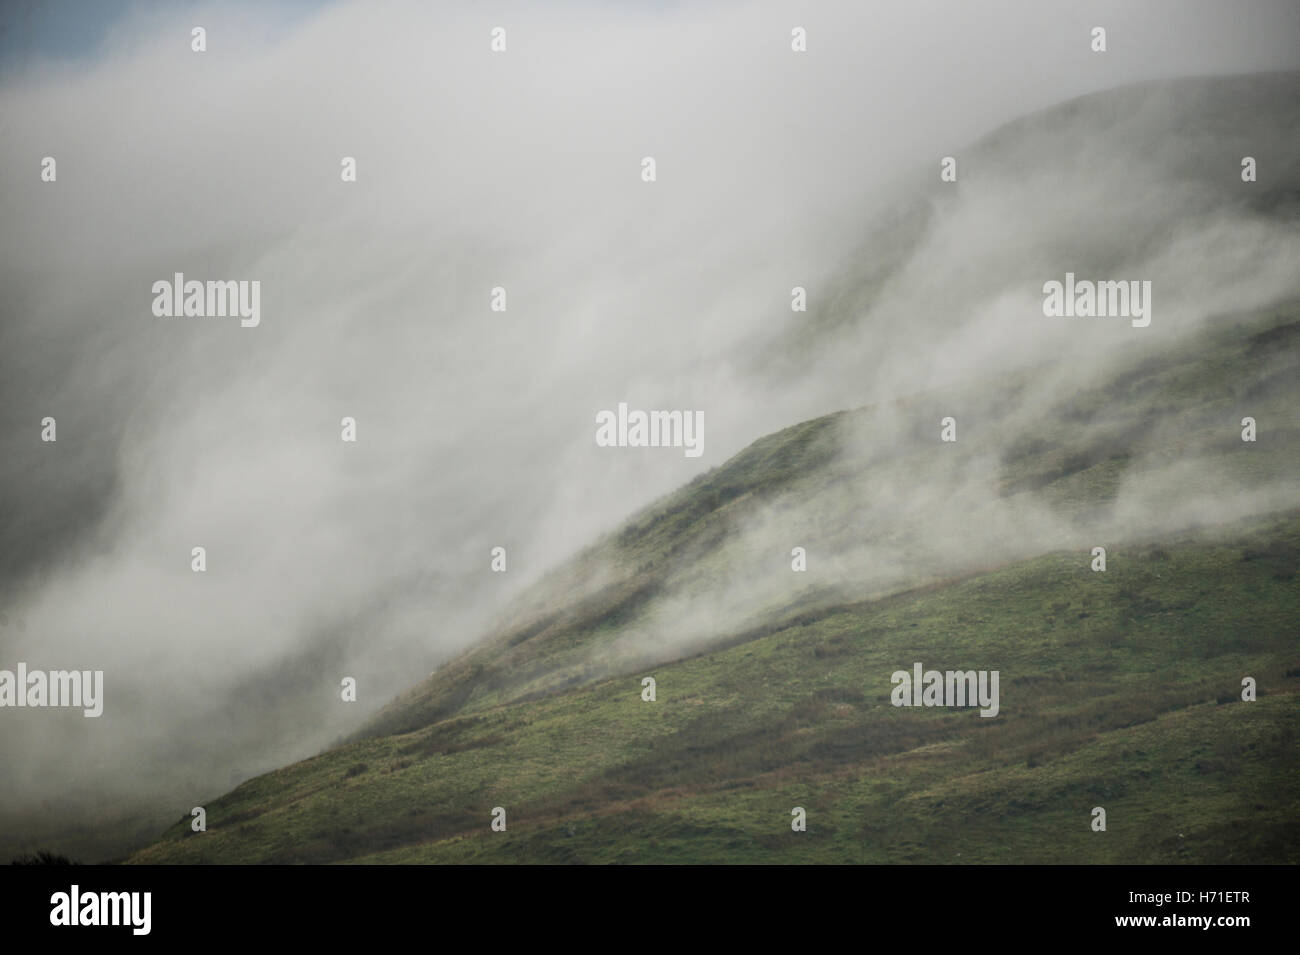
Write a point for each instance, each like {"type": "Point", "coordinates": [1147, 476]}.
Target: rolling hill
{"type": "Point", "coordinates": [1120, 689]}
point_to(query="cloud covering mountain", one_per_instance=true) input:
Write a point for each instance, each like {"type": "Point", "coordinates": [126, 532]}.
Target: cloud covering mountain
{"type": "Point", "coordinates": [476, 427]}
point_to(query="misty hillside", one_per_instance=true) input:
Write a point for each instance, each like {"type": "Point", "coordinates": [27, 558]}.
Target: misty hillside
{"type": "Point", "coordinates": [774, 683]}
{"type": "Point", "coordinates": [1120, 689]}
{"type": "Point", "coordinates": [1140, 179]}
{"type": "Point", "coordinates": [880, 504]}
{"type": "Point", "coordinates": [1135, 431]}
{"type": "Point", "coordinates": [523, 689]}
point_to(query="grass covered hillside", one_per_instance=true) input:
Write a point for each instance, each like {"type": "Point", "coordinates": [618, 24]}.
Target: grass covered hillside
{"type": "Point", "coordinates": [1102, 432]}
{"type": "Point", "coordinates": [1119, 690]}
{"type": "Point", "coordinates": [881, 505]}
{"type": "Point", "coordinates": [773, 597]}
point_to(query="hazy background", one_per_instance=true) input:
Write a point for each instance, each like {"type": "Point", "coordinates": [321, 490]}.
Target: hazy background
{"type": "Point", "coordinates": [476, 428]}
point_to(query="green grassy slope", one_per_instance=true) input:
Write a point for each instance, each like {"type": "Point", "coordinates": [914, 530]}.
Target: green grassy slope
{"type": "Point", "coordinates": [1118, 689]}
{"type": "Point", "coordinates": [1162, 403]}
{"type": "Point", "coordinates": [1179, 407]}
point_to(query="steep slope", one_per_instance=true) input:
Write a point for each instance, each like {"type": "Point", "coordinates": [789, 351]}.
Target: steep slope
{"type": "Point", "coordinates": [1118, 690]}
{"type": "Point", "coordinates": [1081, 435]}
{"type": "Point", "coordinates": [881, 505]}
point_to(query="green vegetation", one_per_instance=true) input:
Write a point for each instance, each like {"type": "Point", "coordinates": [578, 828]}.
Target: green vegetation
{"type": "Point", "coordinates": [1120, 690]}
{"type": "Point", "coordinates": [1070, 459]}
{"type": "Point", "coordinates": [1111, 695]}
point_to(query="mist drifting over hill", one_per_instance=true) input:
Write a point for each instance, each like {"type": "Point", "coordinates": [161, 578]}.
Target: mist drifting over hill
{"type": "Point", "coordinates": [475, 427]}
